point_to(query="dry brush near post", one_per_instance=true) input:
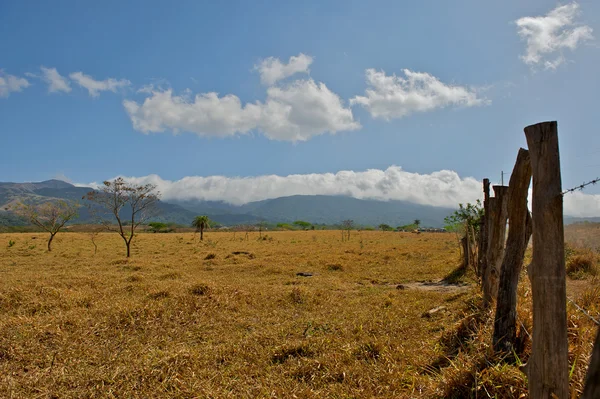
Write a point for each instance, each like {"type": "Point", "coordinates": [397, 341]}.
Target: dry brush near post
{"type": "Point", "coordinates": [232, 318]}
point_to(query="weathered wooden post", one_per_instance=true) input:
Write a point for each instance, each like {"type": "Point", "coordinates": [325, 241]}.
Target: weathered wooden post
{"type": "Point", "coordinates": [498, 214]}
{"type": "Point", "coordinates": [473, 254]}
{"type": "Point", "coordinates": [467, 243]}
{"type": "Point", "coordinates": [464, 243]}
{"type": "Point", "coordinates": [548, 367]}
{"type": "Point", "coordinates": [483, 229]}
{"type": "Point", "coordinates": [592, 381]}
{"type": "Point", "coordinates": [519, 232]}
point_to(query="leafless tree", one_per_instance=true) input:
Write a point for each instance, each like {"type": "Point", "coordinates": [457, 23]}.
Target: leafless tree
{"type": "Point", "coordinates": [117, 196]}
{"type": "Point", "coordinates": [347, 225]}
{"type": "Point", "coordinates": [248, 228]}
{"type": "Point", "coordinates": [50, 216]}
{"type": "Point", "coordinates": [261, 225]}
{"type": "Point", "coordinates": [93, 233]}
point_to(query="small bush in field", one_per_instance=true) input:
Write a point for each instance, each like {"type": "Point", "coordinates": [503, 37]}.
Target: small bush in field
{"type": "Point", "coordinates": [581, 265]}
{"type": "Point", "coordinates": [590, 297]}
{"type": "Point", "coordinates": [335, 267]}
{"type": "Point", "coordinates": [199, 289]}
{"type": "Point", "coordinates": [297, 296]}
{"type": "Point", "coordinates": [368, 351]}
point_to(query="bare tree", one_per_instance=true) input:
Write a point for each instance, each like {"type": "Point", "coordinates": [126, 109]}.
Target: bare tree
{"type": "Point", "coordinates": [50, 216]}
{"type": "Point", "coordinates": [114, 196]}
{"type": "Point", "coordinates": [261, 225]}
{"type": "Point", "coordinates": [247, 229]}
{"type": "Point", "coordinates": [93, 233]}
{"type": "Point", "coordinates": [347, 225]}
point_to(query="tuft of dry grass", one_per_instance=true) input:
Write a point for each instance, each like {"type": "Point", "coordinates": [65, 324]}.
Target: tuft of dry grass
{"type": "Point", "coordinates": [199, 289]}
{"type": "Point", "coordinates": [335, 267]}
{"type": "Point", "coordinates": [583, 264]}
{"type": "Point", "coordinates": [583, 235]}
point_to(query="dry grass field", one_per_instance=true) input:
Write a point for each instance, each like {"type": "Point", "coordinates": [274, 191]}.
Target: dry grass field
{"type": "Point", "coordinates": [584, 235]}
{"type": "Point", "coordinates": [229, 318]}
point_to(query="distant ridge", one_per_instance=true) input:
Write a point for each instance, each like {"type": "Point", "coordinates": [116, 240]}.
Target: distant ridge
{"type": "Point", "coordinates": [318, 209]}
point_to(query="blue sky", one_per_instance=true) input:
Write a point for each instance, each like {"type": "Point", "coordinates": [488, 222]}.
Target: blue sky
{"type": "Point", "coordinates": [89, 91]}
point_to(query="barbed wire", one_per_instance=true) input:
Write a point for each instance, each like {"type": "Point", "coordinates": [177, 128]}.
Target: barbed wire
{"type": "Point", "coordinates": [581, 186]}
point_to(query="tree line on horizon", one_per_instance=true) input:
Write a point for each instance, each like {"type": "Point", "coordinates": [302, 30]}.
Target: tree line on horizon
{"type": "Point", "coordinates": [106, 204]}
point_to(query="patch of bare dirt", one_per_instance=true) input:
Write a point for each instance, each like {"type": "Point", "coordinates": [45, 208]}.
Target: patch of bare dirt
{"type": "Point", "coordinates": [438, 286]}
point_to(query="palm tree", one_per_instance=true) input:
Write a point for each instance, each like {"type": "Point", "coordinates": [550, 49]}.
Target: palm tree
{"type": "Point", "coordinates": [417, 223]}
{"type": "Point", "coordinates": [200, 223]}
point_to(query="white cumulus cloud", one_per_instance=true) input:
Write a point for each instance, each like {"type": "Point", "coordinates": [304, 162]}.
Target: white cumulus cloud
{"type": "Point", "coordinates": [11, 83]}
{"type": "Point", "coordinates": [94, 87]}
{"type": "Point", "coordinates": [547, 36]}
{"type": "Point", "coordinates": [272, 69]}
{"type": "Point", "coordinates": [580, 204]}
{"type": "Point", "coordinates": [56, 82]}
{"type": "Point", "coordinates": [302, 110]}
{"type": "Point", "coordinates": [206, 115]}
{"type": "Point", "coordinates": [442, 188]}
{"type": "Point", "coordinates": [390, 97]}
{"type": "Point", "coordinates": [295, 112]}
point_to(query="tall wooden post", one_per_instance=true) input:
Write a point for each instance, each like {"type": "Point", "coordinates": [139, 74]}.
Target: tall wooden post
{"type": "Point", "coordinates": [592, 381]}
{"type": "Point", "coordinates": [548, 367]}
{"type": "Point", "coordinates": [483, 229]}
{"type": "Point", "coordinates": [498, 214]}
{"type": "Point", "coordinates": [519, 232]}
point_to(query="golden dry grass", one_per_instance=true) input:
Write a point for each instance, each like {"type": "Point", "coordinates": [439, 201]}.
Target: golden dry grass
{"type": "Point", "coordinates": [172, 322]}
{"type": "Point", "coordinates": [583, 235]}
{"type": "Point", "coordinates": [231, 319]}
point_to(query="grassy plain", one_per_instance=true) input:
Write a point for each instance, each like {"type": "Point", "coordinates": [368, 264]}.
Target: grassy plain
{"type": "Point", "coordinates": [230, 318]}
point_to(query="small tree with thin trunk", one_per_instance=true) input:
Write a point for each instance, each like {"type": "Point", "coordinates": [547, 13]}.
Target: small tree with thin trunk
{"type": "Point", "coordinates": [465, 222]}
{"type": "Point", "coordinates": [118, 197]}
{"type": "Point", "coordinates": [347, 225]}
{"type": "Point", "coordinates": [417, 223]}
{"type": "Point", "coordinates": [93, 234]}
{"type": "Point", "coordinates": [50, 216]}
{"type": "Point", "coordinates": [200, 223]}
{"type": "Point", "coordinates": [261, 226]}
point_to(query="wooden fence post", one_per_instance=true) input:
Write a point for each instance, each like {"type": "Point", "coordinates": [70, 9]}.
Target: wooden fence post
{"type": "Point", "coordinates": [519, 232]}
{"type": "Point", "coordinates": [473, 245]}
{"type": "Point", "coordinates": [548, 366]}
{"type": "Point", "coordinates": [495, 246]}
{"type": "Point", "coordinates": [483, 230]}
{"type": "Point", "coordinates": [464, 243]}
{"type": "Point", "coordinates": [592, 381]}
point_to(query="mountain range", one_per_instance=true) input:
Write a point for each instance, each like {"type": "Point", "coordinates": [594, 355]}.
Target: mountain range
{"type": "Point", "coordinates": [318, 209]}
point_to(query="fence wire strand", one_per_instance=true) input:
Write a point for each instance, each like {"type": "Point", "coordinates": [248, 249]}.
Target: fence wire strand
{"type": "Point", "coordinates": [582, 310]}
{"type": "Point", "coordinates": [581, 186]}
